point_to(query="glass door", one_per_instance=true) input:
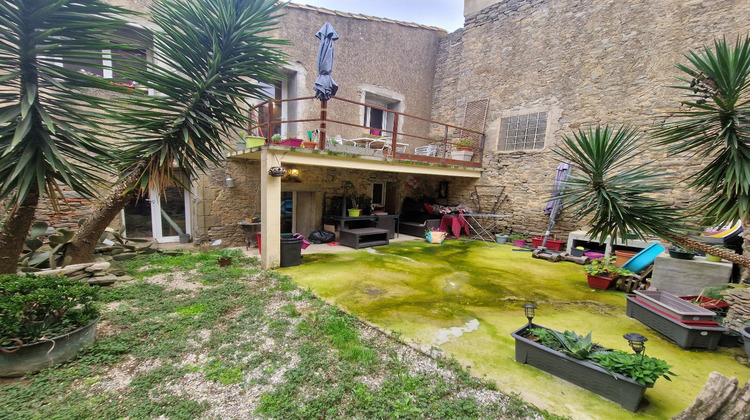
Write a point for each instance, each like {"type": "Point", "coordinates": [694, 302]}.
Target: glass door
{"type": "Point", "coordinates": [163, 218]}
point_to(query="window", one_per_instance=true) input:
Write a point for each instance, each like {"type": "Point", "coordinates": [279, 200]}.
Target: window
{"type": "Point", "coordinates": [378, 193]}
{"type": "Point", "coordinates": [523, 132]}
{"type": "Point", "coordinates": [282, 111]}
{"type": "Point", "coordinates": [112, 63]}
{"type": "Point", "coordinates": [376, 115]}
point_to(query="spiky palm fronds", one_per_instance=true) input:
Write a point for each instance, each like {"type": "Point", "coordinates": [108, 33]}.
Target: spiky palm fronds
{"type": "Point", "coordinates": [50, 121]}
{"type": "Point", "coordinates": [714, 123]}
{"type": "Point", "coordinates": [610, 189]}
{"type": "Point", "coordinates": [208, 59]}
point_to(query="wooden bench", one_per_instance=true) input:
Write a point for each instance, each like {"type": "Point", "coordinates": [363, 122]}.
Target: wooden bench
{"type": "Point", "coordinates": [363, 237]}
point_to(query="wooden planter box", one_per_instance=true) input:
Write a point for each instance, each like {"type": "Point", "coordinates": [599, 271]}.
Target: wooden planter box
{"type": "Point", "coordinates": [686, 336]}
{"type": "Point", "coordinates": [620, 389]}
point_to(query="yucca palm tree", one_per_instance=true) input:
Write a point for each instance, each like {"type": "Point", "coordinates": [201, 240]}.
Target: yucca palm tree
{"type": "Point", "coordinates": [611, 188]}
{"type": "Point", "coordinates": [207, 55]}
{"type": "Point", "coordinates": [713, 123]}
{"type": "Point", "coordinates": [49, 125]}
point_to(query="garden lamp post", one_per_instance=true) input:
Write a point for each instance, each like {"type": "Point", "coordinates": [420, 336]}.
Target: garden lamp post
{"type": "Point", "coordinates": [636, 342]}
{"type": "Point", "coordinates": [528, 310]}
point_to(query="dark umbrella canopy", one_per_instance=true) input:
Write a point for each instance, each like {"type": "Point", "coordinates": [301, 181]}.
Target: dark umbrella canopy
{"type": "Point", "coordinates": [324, 86]}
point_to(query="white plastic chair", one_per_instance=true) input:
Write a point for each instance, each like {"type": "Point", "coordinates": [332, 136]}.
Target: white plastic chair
{"type": "Point", "coordinates": [429, 150]}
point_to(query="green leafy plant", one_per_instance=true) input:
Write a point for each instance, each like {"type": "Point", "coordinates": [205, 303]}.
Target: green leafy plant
{"type": "Point", "coordinates": [45, 306]}
{"type": "Point", "coordinates": [569, 342]}
{"type": "Point", "coordinates": [228, 253]}
{"type": "Point", "coordinates": [465, 142]}
{"type": "Point", "coordinates": [516, 237]}
{"type": "Point", "coordinates": [575, 345]}
{"type": "Point", "coordinates": [276, 138]}
{"type": "Point", "coordinates": [43, 250]}
{"type": "Point", "coordinates": [614, 195]}
{"type": "Point", "coordinates": [605, 267]}
{"type": "Point", "coordinates": [641, 368]}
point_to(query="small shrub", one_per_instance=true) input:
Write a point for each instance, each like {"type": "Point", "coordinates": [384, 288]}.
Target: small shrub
{"type": "Point", "coordinates": [45, 306]}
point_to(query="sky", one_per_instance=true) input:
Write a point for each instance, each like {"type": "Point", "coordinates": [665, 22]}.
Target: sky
{"type": "Point", "coordinates": [446, 14]}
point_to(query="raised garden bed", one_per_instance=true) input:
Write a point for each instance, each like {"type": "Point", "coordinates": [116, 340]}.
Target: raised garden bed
{"type": "Point", "coordinates": [674, 306]}
{"type": "Point", "coordinates": [686, 336]}
{"type": "Point", "coordinates": [618, 388]}
{"type": "Point", "coordinates": [43, 354]}
{"type": "Point", "coordinates": [713, 305]}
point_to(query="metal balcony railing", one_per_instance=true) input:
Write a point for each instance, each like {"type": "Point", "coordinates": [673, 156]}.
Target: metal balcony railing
{"type": "Point", "coordinates": [431, 142]}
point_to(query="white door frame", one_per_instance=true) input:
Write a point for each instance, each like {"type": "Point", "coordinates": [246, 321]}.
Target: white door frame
{"type": "Point", "coordinates": [156, 221]}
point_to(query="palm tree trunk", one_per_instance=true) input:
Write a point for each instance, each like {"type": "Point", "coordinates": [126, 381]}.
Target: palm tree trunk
{"type": "Point", "coordinates": [741, 260]}
{"type": "Point", "coordinates": [81, 250]}
{"type": "Point", "coordinates": [13, 233]}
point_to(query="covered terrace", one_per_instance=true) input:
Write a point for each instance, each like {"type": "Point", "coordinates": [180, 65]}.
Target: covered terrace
{"type": "Point", "coordinates": [411, 151]}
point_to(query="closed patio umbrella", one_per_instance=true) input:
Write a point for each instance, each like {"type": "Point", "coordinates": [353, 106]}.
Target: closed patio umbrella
{"type": "Point", "coordinates": [324, 86]}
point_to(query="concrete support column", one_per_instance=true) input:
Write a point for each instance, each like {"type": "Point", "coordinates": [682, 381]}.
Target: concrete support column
{"type": "Point", "coordinates": [270, 211]}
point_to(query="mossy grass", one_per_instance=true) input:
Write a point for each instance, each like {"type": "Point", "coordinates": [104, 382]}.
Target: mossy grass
{"type": "Point", "coordinates": [425, 292]}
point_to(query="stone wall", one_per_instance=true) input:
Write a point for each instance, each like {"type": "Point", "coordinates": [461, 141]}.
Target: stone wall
{"type": "Point", "coordinates": [371, 54]}
{"type": "Point", "coordinates": [586, 62]}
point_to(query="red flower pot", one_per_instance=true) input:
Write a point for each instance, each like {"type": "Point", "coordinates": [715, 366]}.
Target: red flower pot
{"type": "Point", "coordinates": [599, 282]}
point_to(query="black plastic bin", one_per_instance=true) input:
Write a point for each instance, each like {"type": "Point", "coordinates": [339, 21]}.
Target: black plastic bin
{"type": "Point", "coordinates": [291, 250]}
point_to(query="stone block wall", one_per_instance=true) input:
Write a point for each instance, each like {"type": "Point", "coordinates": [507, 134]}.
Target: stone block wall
{"type": "Point", "coordinates": [585, 62]}
{"type": "Point", "coordinates": [370, 54]}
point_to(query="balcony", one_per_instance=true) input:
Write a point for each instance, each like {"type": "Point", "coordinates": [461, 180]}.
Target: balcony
{"type": "Point", "coordinates": [337, 140]}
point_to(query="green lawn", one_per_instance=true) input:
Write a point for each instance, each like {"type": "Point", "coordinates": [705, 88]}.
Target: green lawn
{"type": "Point", "coordinates": [465, 299]}
{"type": "Point", "coordinates": [187, 339]}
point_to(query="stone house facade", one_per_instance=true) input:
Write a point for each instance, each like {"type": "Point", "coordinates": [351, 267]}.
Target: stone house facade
{"type": "Point", "coordinates": [583, 62]}
{"type": "Point", "coordinates": [566, 64]}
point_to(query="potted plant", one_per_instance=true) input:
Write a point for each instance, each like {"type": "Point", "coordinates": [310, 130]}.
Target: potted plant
{"type": "Point", "coordinates": [435, 235]}
{"type": "Point", "coordinates": [681, 253]}
{"type": "Point", "coordinates": [614, 374]}
{"type": "Point", "coordinates": [354, 210]}
{"type": "Point", "coordinates": [602, 273]}
{"type": "Point", "coordinates": [276, 139]}
{"type": "Point", "coordinates": [518, 240]}
{"type": "Point", "coordinates": [365, 203]}
{"type": "Point", "coordinates": [44, 320]}
{"type": "Point", "coordinates": [254, 141]}
{"type": "Point", "coordinates": [224, 257]}
{"type": "Point", "coordinates": [464, 144]}
{"type": "Point", "coordinates": [501, 238]}
{"type": "Point", "coordinates": [463, 150]}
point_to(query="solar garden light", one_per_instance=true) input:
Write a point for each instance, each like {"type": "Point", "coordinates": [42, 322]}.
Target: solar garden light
{"type": "Point", "coordinates": [636, 342]}
{"type": "Point", "coordinates": [528, 310]}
